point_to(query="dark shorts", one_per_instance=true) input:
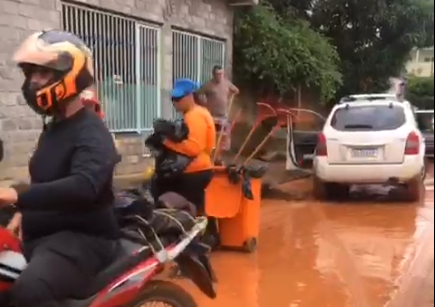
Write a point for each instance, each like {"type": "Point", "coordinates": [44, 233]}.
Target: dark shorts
{"type": "Point", "coordinates": [191, 186]}
{"type": "Point", "coordinates": [223, 126]}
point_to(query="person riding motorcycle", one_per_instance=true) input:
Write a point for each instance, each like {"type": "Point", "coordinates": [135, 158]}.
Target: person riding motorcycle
{"type": "Point", "coordinates": [90, 101]}
{"type": "Point", "coordinates": [70, 232]}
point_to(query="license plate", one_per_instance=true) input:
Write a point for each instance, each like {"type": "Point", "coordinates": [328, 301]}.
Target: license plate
{"type": "Point", "coordinates": [365, 153]}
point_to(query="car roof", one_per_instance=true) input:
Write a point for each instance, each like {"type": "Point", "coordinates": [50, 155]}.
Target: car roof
{"type": "Point", "coordinates": [376, 102]}
{"type": "Point", "coordinates": [424, 111]}
{"type": "Point", "coordinates": [388, 97]}
{"type": "Point", "coordinates": [384, 95]}
{"type": "Point", "coordinates": [358, 97]}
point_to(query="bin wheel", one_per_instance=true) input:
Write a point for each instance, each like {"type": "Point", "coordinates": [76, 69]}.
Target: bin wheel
{"type": "Point", "coordinates": [250, 246]}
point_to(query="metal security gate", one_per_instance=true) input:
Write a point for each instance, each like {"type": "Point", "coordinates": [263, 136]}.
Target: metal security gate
{"type": "Point", "coordinates": [127, 65]}
{"type": "Point", "coordinates": [195, 56]}
{"type": "Point", "coordinates": [186, 56]}
{"type": "Point", "coordinates": [212, 54]}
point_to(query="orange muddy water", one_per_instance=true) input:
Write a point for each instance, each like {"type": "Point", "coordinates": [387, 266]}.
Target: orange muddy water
{"type": "Point", "coordinates": [360, 253]}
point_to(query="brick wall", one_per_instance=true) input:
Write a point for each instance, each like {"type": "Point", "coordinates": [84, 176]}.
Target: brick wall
{"type": "Point", "coordinates": [19, 127]}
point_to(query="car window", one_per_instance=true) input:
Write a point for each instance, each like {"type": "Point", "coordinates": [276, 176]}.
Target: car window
{"type": "Point", "coordinates": [368, 118]}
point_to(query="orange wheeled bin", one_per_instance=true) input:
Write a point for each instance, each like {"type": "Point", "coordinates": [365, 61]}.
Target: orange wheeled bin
{"type": "Point", "coordinates": [234, 195]}
{"type": "Point", "coordinates": [234, 199]}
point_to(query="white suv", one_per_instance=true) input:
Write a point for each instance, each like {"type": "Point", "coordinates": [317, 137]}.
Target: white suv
{"type": "Point", "coordinates": [369, 142]}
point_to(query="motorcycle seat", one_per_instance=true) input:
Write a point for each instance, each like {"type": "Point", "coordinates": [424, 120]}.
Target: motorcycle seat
{"type": "Point", "coordinates": [168, 225]}
{"type": "Point", "coordinates": [128, 256]}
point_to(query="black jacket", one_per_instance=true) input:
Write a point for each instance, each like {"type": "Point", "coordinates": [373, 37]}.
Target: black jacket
{"type": "Point", "coordinates": [71, 180]}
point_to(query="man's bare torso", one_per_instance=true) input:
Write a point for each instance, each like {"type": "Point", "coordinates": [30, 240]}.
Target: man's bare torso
{"type": "Point", "coordinates": [217, 95]}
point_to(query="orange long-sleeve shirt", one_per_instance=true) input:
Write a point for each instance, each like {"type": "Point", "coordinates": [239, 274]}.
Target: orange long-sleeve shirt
{"type": "Point", "coordinates": [200, 142]}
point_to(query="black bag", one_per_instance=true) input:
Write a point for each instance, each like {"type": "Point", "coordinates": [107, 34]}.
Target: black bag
{"type": "Point", "coordinates": [171, 215]}
{"type": "Point", "coordinates": [168, 164]}
{"type": "Point", "coordinates": [176, 131]}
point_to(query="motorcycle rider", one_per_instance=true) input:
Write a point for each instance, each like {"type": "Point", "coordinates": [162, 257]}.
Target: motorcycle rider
{"type": "Point", "coordinates": [89, 99]}
{"type": "Point", "coordinates": [69, 229]}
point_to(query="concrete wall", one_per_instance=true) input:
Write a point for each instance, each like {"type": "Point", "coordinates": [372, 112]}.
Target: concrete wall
{"type": "Point", "coordinates": [19, 127]}
{"type": "Point", "coordinates": [421, 63]}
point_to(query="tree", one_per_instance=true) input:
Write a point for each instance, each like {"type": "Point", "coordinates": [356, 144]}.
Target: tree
{"type": "Point", "coordinates": [302, 8]}
{"type": "Point", "coordinates": [274, 54]}
{"type": "Point", "coordinates": [421, 86]}
{"type": "Point", "coordinates": [420, 91]}
{"type": "Point", "coordinates": [374, 38]}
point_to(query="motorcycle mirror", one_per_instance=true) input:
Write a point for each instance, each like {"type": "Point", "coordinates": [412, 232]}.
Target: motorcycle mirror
{"type": "Point", "coordinates": [2, 153]}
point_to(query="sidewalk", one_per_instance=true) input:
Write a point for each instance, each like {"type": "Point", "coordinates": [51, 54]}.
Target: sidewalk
{"type": "Point", "coordinates": [126, 181]}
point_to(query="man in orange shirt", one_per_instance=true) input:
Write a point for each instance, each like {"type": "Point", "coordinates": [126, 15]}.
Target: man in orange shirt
{"type": "Point", "coordinates": [198, 145]}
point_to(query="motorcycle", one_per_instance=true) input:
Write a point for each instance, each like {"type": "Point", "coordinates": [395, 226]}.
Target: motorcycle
{"type": "Point", "coordinates": [146, 246]}
{"type": "Point", "coordinates": [131, 280]}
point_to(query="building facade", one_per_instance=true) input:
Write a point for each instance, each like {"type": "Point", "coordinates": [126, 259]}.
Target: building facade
{"type": "Point", "coordinates": [140, 47]}
{"type": "Point", "coordinates": [421, 63]}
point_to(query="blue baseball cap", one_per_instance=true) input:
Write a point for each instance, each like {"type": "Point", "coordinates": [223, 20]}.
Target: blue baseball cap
{"type": "Point", "coordinates": [184, 87]}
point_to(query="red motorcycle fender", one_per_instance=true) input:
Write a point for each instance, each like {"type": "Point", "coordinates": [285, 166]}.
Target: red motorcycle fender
{"type": "Point", "coordinates": [128, 287]}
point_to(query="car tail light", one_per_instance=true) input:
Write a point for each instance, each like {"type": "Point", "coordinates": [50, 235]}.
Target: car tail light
{"type": "Point", "coordinates": [321, 149]}
{"type": "Point", "coordinates": [412, 144]}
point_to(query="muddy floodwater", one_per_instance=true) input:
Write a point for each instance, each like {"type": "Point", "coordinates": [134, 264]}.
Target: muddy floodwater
{"type": "Point", "coordinates": [361, 253]}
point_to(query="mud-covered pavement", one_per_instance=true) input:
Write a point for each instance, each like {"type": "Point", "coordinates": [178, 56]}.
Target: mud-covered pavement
{"type": "Point", "coordinates": [354, 254]}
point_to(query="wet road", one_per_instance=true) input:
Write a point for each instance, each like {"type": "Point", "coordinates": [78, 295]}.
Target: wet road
{"type": "Point", "coordinates": [355, 254]}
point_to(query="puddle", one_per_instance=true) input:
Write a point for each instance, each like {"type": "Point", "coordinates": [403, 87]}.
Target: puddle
{"type": "Point", "coordinates": [353, 254]}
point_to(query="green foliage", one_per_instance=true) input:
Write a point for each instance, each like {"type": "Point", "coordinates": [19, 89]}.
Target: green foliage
{"type": "Point", "coordinates": [420, 92]}
{"type": "Point", "coordinates": [287, 43]}
{"type": "Point", "coordinates": [275, 54]}
{"type": "Point", "coordinates": [423, 87]}
{"type": "Point", "coordinates": [374, 37]}
{"type": "Point", "coordinates": [299, 8]}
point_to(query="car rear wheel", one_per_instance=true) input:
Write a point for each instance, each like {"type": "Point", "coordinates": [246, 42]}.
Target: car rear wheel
{"type": "Point", "coordinates": [414, 189]}
{"type": "Point", "coordinates": [424, 170]}
{"type": "Point", "coordinates": [320, 189]}
{"type": "Point", "coordinates": [329, 191]}
{"type": "Point", "coordinates": [341, 191]}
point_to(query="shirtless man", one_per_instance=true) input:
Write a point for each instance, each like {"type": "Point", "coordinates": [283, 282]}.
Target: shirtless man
{"type": "Point", "coordinates": [218, 93]}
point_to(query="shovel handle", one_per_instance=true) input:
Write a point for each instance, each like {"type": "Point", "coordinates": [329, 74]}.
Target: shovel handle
{"type": "Point", "coordinates": [260, 146]}
{"type": "Point", "coordinates": [220, 136]}
{"type": "Point", "coordinates": [219, 149]}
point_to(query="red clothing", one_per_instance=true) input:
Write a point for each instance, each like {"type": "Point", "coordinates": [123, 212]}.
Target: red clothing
{"type": "Point", "coordinates": [90, 98]}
